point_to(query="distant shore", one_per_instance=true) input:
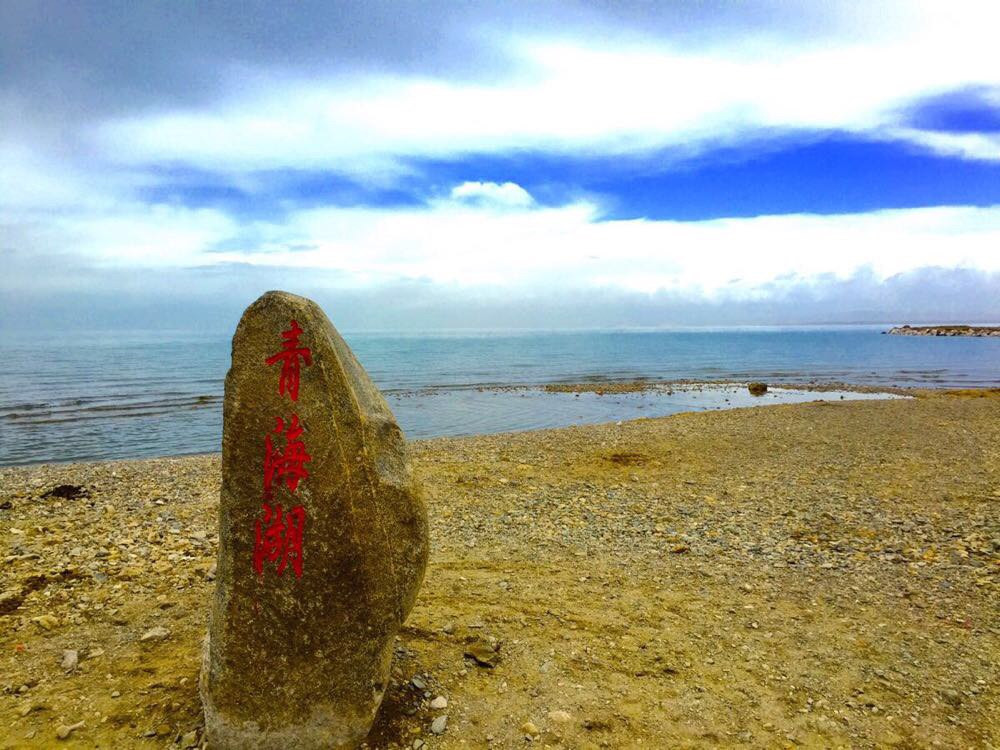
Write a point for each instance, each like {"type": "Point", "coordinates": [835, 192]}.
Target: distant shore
{"type": "Point", "coordinates": [949, 330]}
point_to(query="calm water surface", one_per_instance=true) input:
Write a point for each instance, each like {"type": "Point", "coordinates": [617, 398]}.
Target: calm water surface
{"type": "Point", "coordinates": [103, 396]}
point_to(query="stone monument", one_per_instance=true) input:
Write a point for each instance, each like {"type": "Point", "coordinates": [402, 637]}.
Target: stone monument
{"type": "Point", "coordinates": [322, 539]}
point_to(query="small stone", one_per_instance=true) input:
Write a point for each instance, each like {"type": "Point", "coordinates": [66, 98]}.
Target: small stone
{"type": "Point", "coordinates": [482, 653]}
{"type": "Point", "coordinates": [65, 730]}
{"type": "Point", "coordinates": [418, 683]}
{"type": "Point", "coordinates": [449, 628]}
{"type": "Point", "coordinates": [418, 743]}
{"type": "Point", "coordinates": [560, 717]}
{"type": "Point", "coordinates": [67, 492]}
{"type": "Point", "coordinates": [116, 694]}
{"type": "Point", "coordinates": [158, 633]}
{"type": "Point", "coordinates": [440, 702]}
{"type": "Point", "coordinates": [952, 697]}
{"type": "Point", "coordinates": [70, 659]}
{"type": "Point", "coordinates": [529, 729]}
{"type": "Point", "coordinates": [46, 622]}
{"type": "Point", "coordinates": [163, 730]}
{"type": "Point", "coordinates": [439, 725]}
{"type": "Point", "coordinates": [27, 708]}
{"type": "Point", "coordinates": [757, 389]}
{"type": "Point", "coordinates": [190, 739]}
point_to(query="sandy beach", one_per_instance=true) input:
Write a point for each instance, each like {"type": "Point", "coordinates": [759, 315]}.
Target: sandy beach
{"type": "Point", "coordinates": [815, 575]}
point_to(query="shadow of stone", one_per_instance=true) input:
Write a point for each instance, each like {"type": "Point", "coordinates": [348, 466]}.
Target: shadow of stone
{"type": "Point", "coordinates": [401, 710]}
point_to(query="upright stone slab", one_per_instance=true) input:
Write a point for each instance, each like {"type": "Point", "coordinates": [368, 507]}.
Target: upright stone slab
{"type": "Point", "coordinates": [322, 539]}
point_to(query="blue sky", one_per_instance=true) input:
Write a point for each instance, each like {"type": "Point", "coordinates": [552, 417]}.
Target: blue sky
{"type": "Point", "coordinates": [525, 164]}
{"type": "Point", "coordinates": [828, 173]}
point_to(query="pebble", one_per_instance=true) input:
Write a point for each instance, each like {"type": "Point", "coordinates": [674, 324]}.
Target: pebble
{"type": "Point", "coordinates": [952, 697]}
{"type": "Point", "coordinates": [190, 739]}
{"type": "Point", "coordinates": [64, 730]}
{"type": "Point", "coordinates": [439, 703]}
{"type": "Point", "coordinates": [27, 708]}
{"type": "Point", "coordinates": [530, 729]}
{"type": "Point", "coordinates": [560, 717]}
{"type": "Point", "coordinates": [158, 633]}
{"type": "Point", "coordinates": [70, 660]}
{"type": "Point", "coordinates": [46, 622]}
{"type": "Point", "coordinates": [482, 652]}
{"type": "Point", "coordinates": [439, 725]}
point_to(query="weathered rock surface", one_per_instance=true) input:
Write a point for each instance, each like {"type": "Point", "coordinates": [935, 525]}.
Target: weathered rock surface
{"type": "Point", "coordinates": [301, 636]}
{"type": "Point", "coordinates": [757, 389]}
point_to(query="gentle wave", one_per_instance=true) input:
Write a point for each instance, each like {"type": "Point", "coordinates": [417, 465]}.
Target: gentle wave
{"type": "Point", "coordinates": [113, 411]}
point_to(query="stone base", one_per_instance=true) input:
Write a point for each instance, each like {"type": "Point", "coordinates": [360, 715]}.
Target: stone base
{"type": "Point", "coordinates": [323, 729]}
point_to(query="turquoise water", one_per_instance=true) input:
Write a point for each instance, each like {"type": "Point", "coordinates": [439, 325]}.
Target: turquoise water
{"type": "Point", "coordinates": [103, 396]}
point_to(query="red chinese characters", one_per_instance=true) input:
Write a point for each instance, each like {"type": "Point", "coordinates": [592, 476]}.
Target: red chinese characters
{"type": "Point", "coordinates": [278, 538]}
{"type": "Point", "coordinates": [278, 535]}
{"type": "Point", "coordinates": [289, 357]}
{"type": "Point", "coordinates": [289, 463]}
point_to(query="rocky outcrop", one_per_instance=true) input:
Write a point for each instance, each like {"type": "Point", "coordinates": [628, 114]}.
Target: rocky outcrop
{"type": "Point", "coordinates": [950, 330]}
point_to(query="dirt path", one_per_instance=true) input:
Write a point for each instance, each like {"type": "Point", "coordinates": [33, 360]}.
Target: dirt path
{"type": "Point", "coordinates": [819, 575]}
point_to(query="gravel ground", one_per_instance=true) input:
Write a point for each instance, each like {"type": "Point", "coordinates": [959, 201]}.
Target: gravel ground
{"type": "Point", "coordinates": [818, 575]}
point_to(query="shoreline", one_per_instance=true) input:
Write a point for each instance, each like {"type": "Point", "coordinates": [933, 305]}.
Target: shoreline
{"type": "Point", "coordinates": [720, 395]}
{"type": "Point", "coordinates": [664, 581]}
{"type": "Point", "coordinates": [598, 387]}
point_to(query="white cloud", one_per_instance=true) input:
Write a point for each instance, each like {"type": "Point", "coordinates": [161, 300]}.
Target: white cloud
{"type": "Point", "coordinates": [566, 95]}
{"type": "Point", "coordinates": [507, 195]}
{"type": "Point", "coordinates": [495, 235]}
{"type": "Point", "coordinates": [982, 146]}
{"type": "Point", "coordinates": [569, 247]}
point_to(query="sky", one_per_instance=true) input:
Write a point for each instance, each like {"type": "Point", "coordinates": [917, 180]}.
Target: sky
{"type": "Point", "coordinates": [552, 164]}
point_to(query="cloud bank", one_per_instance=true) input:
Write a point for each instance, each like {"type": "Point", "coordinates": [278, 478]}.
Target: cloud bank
{"type": "Point", "coordinates": [504, 160]}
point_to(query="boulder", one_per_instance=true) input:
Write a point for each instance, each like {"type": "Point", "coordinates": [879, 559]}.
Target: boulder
{"type": "Point", "coordinates": [757, 389]}
{"type": "Point", "coordinates": [322, 539]}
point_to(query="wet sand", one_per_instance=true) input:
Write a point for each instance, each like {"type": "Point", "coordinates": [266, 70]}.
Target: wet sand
{"type": "Point", "coordinates": [817, 575]}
